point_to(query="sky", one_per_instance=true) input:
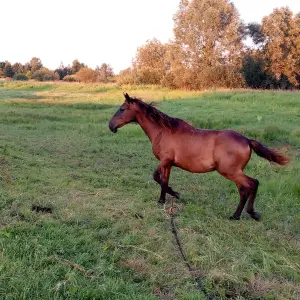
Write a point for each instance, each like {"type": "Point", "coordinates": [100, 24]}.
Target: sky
{"type": "Point", "coordinates": [97, 31]}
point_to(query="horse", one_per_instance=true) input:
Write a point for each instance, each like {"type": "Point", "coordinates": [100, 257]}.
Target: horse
{"type": "Point", "coordinates": [177, 143]}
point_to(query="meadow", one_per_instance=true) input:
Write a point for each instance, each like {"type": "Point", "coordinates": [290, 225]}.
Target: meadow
{"type": "Point", "coordinates": [105, 237]}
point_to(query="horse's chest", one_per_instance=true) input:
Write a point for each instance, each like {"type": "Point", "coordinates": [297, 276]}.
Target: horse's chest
{"type": "Point", "coordinates": [158, 148]}
{"type": "Point", "coordinates": [156, 153]}
{"type": "Point", "coordinates": [162, 152]}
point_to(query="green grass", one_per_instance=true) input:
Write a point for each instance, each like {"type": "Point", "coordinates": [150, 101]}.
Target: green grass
{"type": "Point", "coordinates": [106, 237]}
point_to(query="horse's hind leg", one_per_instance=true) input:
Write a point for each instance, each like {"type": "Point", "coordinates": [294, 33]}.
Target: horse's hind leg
{"type": "Point", "coordinates": [157, 178]}
{"type": "Point", "coordinates": [243, 199]}
{"type": "Point", "coordinates": [253, 183]}
{"type": "Point", "coordinates": [250, 185]}
{"type": "Point", "coordinates": [247, 187]}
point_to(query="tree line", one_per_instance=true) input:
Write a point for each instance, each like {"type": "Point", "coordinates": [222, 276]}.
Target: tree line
{"type": "Point", "coordinates": [212, 48]}
{"type": "Point", "coordinates": [78, 71]}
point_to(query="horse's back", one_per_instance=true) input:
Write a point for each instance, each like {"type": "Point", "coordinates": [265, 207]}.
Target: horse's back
{"type": "Point", "coordinates": [204, 150]}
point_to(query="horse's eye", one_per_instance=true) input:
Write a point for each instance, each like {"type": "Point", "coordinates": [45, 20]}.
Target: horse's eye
{"type": "Point", "coordinates": [122, 109]}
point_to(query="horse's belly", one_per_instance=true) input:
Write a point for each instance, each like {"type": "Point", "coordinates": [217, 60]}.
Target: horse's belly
{"type": "Point", "coordinates": [195, 164]}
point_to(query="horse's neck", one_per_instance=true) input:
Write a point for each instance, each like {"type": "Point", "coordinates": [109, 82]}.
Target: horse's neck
{"type": "Point", "coordinates": [150, 128]}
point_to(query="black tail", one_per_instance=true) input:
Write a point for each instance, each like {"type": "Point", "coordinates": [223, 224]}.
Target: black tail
{"type": "Point", "coordinates": [269, 154]}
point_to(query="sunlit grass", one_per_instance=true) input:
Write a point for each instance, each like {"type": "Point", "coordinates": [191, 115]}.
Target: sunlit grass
{"type": "Point", "coordinates": [64, 93]}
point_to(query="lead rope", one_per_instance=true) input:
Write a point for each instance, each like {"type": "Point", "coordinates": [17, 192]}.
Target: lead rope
{"type": "Point", "coordinates": [193, 272]}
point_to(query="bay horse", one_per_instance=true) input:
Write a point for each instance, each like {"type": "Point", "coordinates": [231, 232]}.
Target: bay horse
{"type": "Point", "coordinates": [177, 143]}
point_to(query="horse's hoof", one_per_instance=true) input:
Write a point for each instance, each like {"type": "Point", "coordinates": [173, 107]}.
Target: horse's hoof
{"type": "Point", "coordinates": [160, 203]}
{"type": "Point", "coordinates": [235, 218]}
{"type": "Point", "coordinates": [256, 216]}
{"type": "Point", "coordinates": [176, 195]}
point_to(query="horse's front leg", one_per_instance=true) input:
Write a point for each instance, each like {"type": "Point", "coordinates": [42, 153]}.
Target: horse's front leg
{"type": "Point", "coordinates": [165, 169]}
{"type": "Point", "coordinates": [157, 178]}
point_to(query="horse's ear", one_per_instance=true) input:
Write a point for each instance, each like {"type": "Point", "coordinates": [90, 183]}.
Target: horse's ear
{"type": "Point", "coordinates": [127, 97]}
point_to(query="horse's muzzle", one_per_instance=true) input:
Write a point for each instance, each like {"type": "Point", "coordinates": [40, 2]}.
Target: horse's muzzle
{"type": "Point", "coordinates": [112, 127]}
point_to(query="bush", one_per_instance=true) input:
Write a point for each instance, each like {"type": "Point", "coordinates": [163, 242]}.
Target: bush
{"type": "Point", "coordinates": [63, 71]}
{"type": "Point", "coordinates": [50, 77]}
{"type": "Point", "coordinates": [222, 76]}
{"type": "Point", "coordinates": [22, 77]}
{"type": "Point", "coordinates": [28, 74]}
{"type": "Point", "coordinates": [45, 74]}
{"type": "Point", "coordinates": [86, 75]}
{"type": "Point", "coordinates": [126, 76]}
{"type": "Point", "coordinates": [70, 78]}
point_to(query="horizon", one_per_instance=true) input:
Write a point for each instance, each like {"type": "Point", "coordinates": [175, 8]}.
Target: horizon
{"type": "Point", "coordinates": [88, 28]}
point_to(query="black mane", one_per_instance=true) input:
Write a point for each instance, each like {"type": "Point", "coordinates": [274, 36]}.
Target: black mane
{"type": "Point", "coordinates": [159, 117]}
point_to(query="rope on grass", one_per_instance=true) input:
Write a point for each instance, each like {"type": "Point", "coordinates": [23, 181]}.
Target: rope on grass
{"type": "Point", "coordinates": [193, 271]}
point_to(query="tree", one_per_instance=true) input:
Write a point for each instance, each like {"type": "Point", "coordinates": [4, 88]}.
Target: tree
{"type": "Point", "coordinates": [35, 64]}
{"type": "Point", "coordinates": [76, 66]}
{"type": "Point", "coordinates": [210, 34]}
{"type": "Point", "coordinates": [2, 64]}
{"type": "Point", "coordinates": [293, 71]}
{"type": "Point", "coordinates": [149, 62]}
{"type": "Point", "coordinates": [253, 69]}
{"type": "Point", "coordinates": [18, 68]}
{"type": "Point", "coordinates": [27, 67]}
{"type": "Point", "coordinates": [177, 75]}
{"type": "Point", "coordinates": [105, 73]}
{"type": "Point", "coordinates": [254, 30]}
{"type": "Point", "coordinates": [282, 48]}
{"type": "Point", "coordinates": [63, 71]}
{"type": "Point", "coordinates": [7, 70]}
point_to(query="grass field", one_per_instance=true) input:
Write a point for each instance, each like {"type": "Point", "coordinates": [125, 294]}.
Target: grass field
{"type": "Point", "coordinates": [106, 238]}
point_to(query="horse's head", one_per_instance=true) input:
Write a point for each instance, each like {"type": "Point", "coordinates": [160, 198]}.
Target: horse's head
{"type": "Point", "coordinates": [124, 115]}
